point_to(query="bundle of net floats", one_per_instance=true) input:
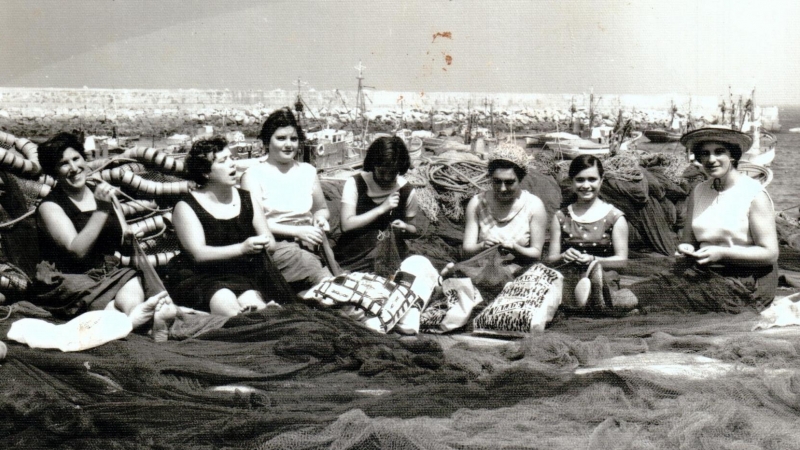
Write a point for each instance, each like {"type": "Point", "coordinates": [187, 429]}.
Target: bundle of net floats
{"type": "Point", "coordinates": [150, 182]}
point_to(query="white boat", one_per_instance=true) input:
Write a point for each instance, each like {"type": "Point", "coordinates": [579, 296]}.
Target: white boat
{"type": "Point", "coordinates": [572, 148]}
{"type": "Point", "coordinates": [331, 148]}
{"type": "Point", "coordinates": [763, 150]}
{"type": "Point", "coordinates": [413, 143]}
{"type": "Point", "coordinates": [539, 140]}
{"type": "Point", "coordinates": [631, 141]}
{"type": "Point", "coordinates": [756, 171]}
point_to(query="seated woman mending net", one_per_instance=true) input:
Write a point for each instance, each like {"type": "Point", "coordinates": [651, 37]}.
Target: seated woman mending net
{"type": "Point", "coordinates": [728, 259]}
{"type": "Point", "coordinates": [223, 237]}
{"type": "Point", "coordinates": [78, 235]}
{"type": "Point", "coordinates": [506, 215]}
{"type": "Point", "coordinates": [586, 236]}
{"type": "Point", "coordinates": [290, 195]}
{"type": "Point", "coordinates": [374, 202]}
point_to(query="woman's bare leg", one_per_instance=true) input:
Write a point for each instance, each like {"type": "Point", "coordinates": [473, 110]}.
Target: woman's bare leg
{"type": "Point", "coordinates": [251, 299]}
{"type": "Point", "coordinates": [224, 303]}
{"type": "Point", "coordinates": [130, 296]}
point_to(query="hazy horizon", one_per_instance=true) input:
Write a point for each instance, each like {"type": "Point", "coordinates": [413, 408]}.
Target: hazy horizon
{"type": "Point", "coordinates": [550, 47]}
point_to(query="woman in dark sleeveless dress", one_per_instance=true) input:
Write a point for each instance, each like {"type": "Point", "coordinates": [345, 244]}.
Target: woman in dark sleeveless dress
{"type": "Point", "coordinates": [374, 201]}
{"type": "Point", "coordinates": [221, 268]}
{"type": "Point", "coordinates": [78, 235]}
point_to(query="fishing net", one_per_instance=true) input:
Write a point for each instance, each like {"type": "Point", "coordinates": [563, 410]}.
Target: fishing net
{"type": "Point", "coordinates": [489, 271]}
{"type": "Point", "coordinates": [296, 377]}
{"type": "Point", "coordinates": [387, 253]}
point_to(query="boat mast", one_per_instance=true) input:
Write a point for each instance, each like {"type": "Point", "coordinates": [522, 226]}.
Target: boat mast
{"type": "Point", "coordinates": [303, 155]}
{"type": "Point", "coordinates": [756, 121]}
{"type": "Point", "coordinates": [361, 99]}
{"type": "Point", "coordinates": [591, 109]}
{"type": "Point", "coordinates": [572, 111]}
{"type": "Point", "coordinates": [491, 118]}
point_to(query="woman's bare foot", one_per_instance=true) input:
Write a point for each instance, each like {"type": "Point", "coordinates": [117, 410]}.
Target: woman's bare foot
{"type": "Point", "coordinates": [162, 319]}
{"type": "Point", "coordinates": [143, 312]}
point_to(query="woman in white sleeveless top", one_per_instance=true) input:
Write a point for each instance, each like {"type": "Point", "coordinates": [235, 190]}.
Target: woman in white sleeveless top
{"type": "Point", "coordinates": [291, 198]}
{"type": "Point", "coordinates": [732, 262]}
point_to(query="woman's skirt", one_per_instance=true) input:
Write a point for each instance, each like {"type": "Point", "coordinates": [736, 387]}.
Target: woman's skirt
{"type": "Point", "coordinates": [69, 295]}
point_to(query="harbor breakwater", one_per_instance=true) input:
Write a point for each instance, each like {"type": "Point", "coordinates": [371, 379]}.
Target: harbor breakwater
{"type": "Point", "coordinates": [159, 112]}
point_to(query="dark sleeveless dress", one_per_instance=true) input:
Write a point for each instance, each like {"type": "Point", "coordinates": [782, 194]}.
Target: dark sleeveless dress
{"type": "Point", "coordinates": [67, 286]}
{"type": "Point", "coordinates": [191, 284]}
{"type": "Point", "coordinates": [356, 249]}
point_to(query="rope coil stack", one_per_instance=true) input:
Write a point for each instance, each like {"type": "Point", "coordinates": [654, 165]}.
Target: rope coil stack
{"type": "Point", "coordinates": [443, 185]}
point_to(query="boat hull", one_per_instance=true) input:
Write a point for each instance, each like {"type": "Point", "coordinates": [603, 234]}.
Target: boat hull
{"type": "Point", "coordinates": [571, 149]}
{"type": "Point", "coordinates": [662, 136]}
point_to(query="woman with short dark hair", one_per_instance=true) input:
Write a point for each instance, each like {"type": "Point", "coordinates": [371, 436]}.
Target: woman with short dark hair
{"type": "Point", "coordinates": [587, 236]}
{"type": "Point", "coordinates": [222, 235]}
{"type": "Point", "coordinates": [374, 201]}
{"type": "Point", "coordinates": [290, 197]}
{"type": "Point", "coordinates": [78, 236]}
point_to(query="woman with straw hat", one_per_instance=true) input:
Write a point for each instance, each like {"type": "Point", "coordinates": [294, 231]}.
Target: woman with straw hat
{"type": "Point", "coordinates": [728, 259]}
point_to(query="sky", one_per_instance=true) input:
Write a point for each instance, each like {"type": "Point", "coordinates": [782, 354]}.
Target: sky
{"type": "Point", "coordinates": [549, 46]}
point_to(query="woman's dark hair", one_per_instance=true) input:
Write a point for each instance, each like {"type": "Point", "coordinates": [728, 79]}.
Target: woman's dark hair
{"type": "Point", "coordinates": [201, 156]}
{"type": "Point", "coordinates": [280, 118]}
{"type": "Point", "coordinates": [387, 152]}
{"type": "Point", "coordinates": [735, 150]}
{"type": "Point", "coordinates": [506, 164]}
{"type": "Point", "coordinates": [51, 151]}
{"type": "Point", "coordinates": [584, 162]}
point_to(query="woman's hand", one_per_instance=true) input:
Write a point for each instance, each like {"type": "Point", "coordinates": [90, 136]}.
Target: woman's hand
{"type": "Point", "coordinates": [571, 255]}
{"type": "Point", "coordinates": [310, 234]}
{"type": "Point", "coordinates": [399, 225]}
{"type": "Point", "coordinates": [103, 193]}
{"type": "Point", "coordinates": [322, 223]}
{"type": "Point", "coordinates": [710, 254]}
{"type": "Point", "coordinates": [391, 202]}
{"type": "Point", "coordinates": [490, 242]}
{"type": "Point", "coordinates": [508, 244]}
{"type": "Point", "coordinates": [256, 244]}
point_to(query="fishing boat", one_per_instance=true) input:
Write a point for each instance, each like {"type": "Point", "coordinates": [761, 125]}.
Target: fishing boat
{"type": "Point", "coordinates": [630, 142]}
{"type": "Point", "coordinates": [758, 172]}
{"type": "Point", "coordinates": [413, 143]}
{"type": "Point", "coordinates": [662, 136]}
{"type": "Point", "coordinates": [539, 140]}
{"type": "Point", "coordinates": [763, 151]}
{"type": "Point", "coordinates": [572, 148]}
{"type": "Point", "coordinates": [329, 148]}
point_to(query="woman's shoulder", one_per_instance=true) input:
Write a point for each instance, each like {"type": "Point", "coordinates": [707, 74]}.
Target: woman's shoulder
{"type": "Point", "coordinates": [531, 200]}
{"type": "Point", "coordinates": [305, 168]}
{"type": "Point", "coordinates": [613, 211]}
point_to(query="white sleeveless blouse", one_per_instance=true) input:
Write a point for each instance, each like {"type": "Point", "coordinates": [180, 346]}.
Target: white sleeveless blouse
{"type": "Point", "coordinates": [722, 218]}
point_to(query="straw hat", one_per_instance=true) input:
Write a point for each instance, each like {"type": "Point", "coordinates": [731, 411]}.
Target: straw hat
{"type": "Point", "coordinates": [693, 138]}
{"type": "Point", "coordinates": [511, 152]}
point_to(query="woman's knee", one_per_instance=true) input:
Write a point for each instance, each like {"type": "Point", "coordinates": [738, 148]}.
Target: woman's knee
{"type": "Point", "coordinates": [224, 303]}
{"type": "Point", "coordinates": [130, 295]}
{"type": "Point", "coordinates": [251, 298]}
